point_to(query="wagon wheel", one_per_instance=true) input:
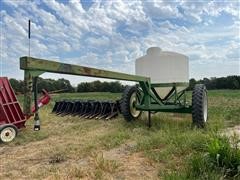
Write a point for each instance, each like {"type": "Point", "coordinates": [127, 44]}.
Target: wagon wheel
{"type": "Point", "coordinates": [199, 105]}
{"type": "Point", "coordinates": [131, 97]}
{"type": "Point", "coordinates": [7, 133]}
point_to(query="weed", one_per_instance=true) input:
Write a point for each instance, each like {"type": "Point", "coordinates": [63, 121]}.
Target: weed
{"type": "Point", "coordinates": [220, 159]}
{"type": "Point", "coordinates": [226, 156]}
{"type": "Point", "coordinates": [103, 164]}
{"type": "Point", "coordinates": [199, 168]}
{"type": "Point", "coordinates": [77, 172]}
{"type": "Point", "coordinates": [57, 158]}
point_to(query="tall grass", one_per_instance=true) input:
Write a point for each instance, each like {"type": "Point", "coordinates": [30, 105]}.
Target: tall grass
{"type": "Point", "coordinates": [220, 158]}
{"type": "Point", "coordinates": [172, 145]}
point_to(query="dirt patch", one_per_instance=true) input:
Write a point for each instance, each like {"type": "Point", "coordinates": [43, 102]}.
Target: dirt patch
{"type": "Point", "coordinates": [121, 151]}
{"type": "Point", "coordinates": [118, 163]}
{"type": "Point", "coordinates": [136, 166]}
{"type": "Point", "coordinates": [75, 156]}
{"type": "Point", "coordinates": [233, 134]}
{"type": "Point", "coordinates": [233, 131]}
{"type": "Point", "coordinates": [132, 165]}
{"type": "Point", "coordinates": [49, 156]}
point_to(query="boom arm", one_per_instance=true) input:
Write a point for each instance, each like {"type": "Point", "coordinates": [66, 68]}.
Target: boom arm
{"type": "Point", "coordinates": [34, 67]}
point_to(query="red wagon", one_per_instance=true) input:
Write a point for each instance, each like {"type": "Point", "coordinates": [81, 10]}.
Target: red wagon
{"type": "Point", "coordinates": [11, 116]}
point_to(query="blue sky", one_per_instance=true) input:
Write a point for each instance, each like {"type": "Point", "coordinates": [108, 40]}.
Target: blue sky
{"type": "Point", "coordinates": [112, 34]}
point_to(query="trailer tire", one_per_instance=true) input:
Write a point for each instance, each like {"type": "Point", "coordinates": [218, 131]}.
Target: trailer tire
{"type": "Point", "coordinates": [8, 132]}
{"type": "Point", "coordinates": [128, 101]}
{"type": "Point", "coordinates": [199, 106]}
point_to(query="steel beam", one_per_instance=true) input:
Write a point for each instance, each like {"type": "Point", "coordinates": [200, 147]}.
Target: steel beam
{"type": "Point", "coordinates": [35, 64]}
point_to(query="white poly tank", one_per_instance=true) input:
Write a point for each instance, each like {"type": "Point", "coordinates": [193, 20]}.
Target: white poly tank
{"type": "Point", "coordinates": [163, 67]}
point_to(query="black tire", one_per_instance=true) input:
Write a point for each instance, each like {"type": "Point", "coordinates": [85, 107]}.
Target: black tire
{"type": "Point", "coordinates": [126, 105]}
{"type": "Point", "coordinates": [8, 132]}
{"type": "Point", "coordinates": [199, 105]}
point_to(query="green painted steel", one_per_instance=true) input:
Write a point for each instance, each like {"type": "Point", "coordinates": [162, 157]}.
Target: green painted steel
{"type": "Point", "coordinates": [150, 101]}
{"type": "Point", "coordinates": [30, 63]}
{"type": "Point", "coordinates": [165, 108]}
{"type": "Point", "coordinates": [34, 67]}
{"type": "Point", "coordinates": [175, 102]}
{"type": "Point", "coordinates": [177, 84]}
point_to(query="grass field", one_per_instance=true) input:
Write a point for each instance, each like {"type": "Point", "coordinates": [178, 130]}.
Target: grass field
{"type": "Point", "coordinates": [74, 148]}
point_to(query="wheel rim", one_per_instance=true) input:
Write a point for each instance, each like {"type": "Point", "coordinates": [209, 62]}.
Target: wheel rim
{"type": "Point", "coordinates": [8, 134]}
{"type": "Point", "coordinates": [205, 107]}
{"type": "Point", "coordinates": [133, 101]}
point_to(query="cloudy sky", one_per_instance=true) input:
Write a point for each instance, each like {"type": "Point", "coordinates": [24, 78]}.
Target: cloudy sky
{"type": "Point", "coordinates": [112, 34]}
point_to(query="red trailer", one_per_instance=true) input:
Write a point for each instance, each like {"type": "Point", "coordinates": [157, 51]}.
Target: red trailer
{"type": "Point", "coordinates": [11, 116]}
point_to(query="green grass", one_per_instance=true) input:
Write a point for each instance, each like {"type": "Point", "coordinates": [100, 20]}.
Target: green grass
{"type": "Point", "coordinates": [90, 95]}
{"type": "Point", "coordinates": [172, 145]}
{"type": "Point", "coordinates": [114, 138]}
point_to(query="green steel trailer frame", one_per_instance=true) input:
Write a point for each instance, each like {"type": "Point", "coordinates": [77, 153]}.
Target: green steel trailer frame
{"type": "Point", "coordinates": [147, 98]}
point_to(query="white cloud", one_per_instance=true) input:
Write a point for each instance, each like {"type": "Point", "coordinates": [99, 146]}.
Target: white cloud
{"type": "Point", "coordinates": [195, 10]}
{"type": "Point", "coordinates": [161, 9]}
{"type": "Point", "coordinates": [112, 34]}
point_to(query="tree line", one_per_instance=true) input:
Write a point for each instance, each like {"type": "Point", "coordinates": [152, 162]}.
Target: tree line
{"type": "Point", "coordinates": [64, 85]}
{"type": "Point", "coordinates": [51, 85]}
{"type": "Point", "coordinates": [229, 82]}
{"type": "Point", "coordinates": [98, 86]}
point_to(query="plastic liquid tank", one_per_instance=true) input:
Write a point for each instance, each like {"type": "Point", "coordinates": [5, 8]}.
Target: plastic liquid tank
{"type": "Point", "coordinates": [163, 67]}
